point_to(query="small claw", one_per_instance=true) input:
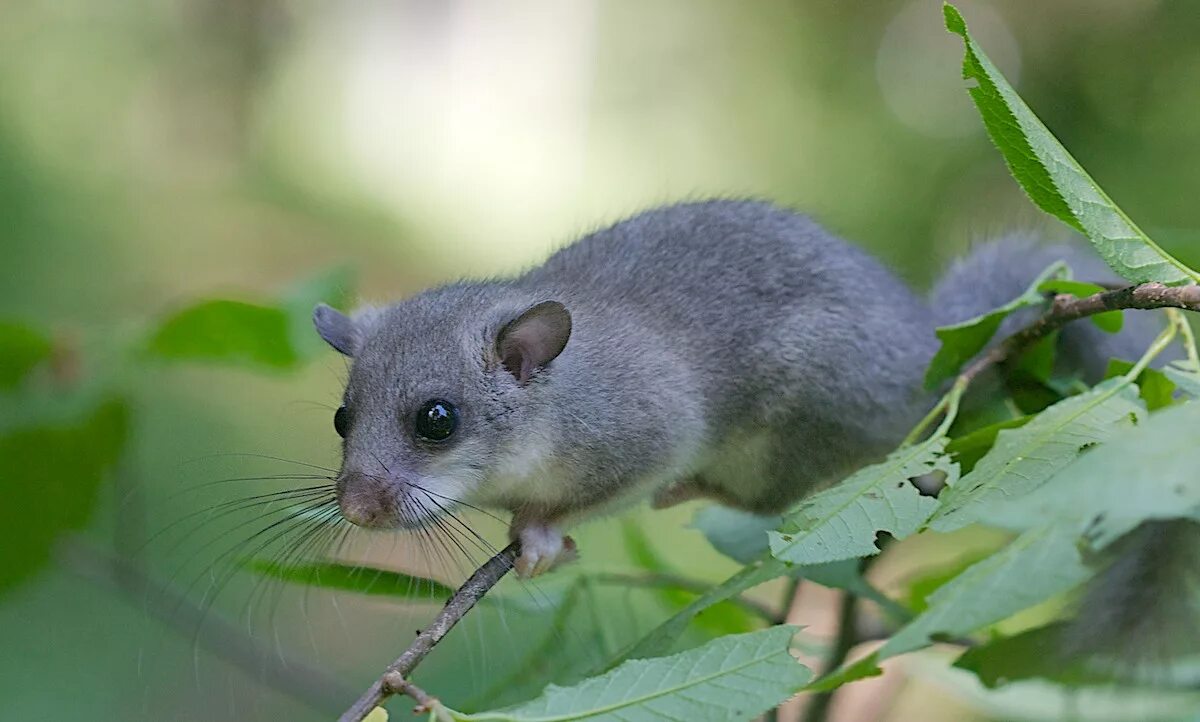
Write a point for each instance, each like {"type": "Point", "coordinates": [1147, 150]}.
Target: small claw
{"type": "Point", "coordinates": [543, 548]}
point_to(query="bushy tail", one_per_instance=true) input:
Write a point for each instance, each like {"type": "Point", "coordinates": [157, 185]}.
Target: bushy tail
{"type": "Point", "coordinates": [1144, 605]}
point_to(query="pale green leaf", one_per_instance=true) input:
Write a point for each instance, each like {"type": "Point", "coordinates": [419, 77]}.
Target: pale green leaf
{"type": "Point", "coordinates": [332, 287]}
{"type": "Point", "coordinates": [842, 521]}
{"type": "Point", "coordinates": [963, 340]}
{"type": "Point", "coordinates": [1150, 472]}
{"type": "Point", "coordinates": [731, 678]}
{"type": "Point", "coordinates": [737, 534]}
{"type": "Point", "coordinates": [1053, 179]}
{"type": "Point", "coordinates": [1023, 459]}
{"type": "Point", "coordinates": [1185, 376]}
{"type": "Point", "coordinates": [1034, 567]}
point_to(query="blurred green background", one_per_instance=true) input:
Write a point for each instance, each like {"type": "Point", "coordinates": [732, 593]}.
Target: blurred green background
{"type": "Point", "coordinates": [153, 154]}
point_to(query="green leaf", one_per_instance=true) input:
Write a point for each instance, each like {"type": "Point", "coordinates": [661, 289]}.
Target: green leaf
{"type": "Point", "coordinates": [842, 521]}
{"type": "Point", "coordinates": [1023, 459]}
{"type": "Point", "coordinates": [1078, 289]}
{"type": "Point", "coordinates": [357, 578]}
{"type": "Point", "coordinates": [1040, 564]}
{"type": "Point", "coordinates": [1154, 387]}
{"type": "Point", "coordinates": [663, 637]}
{"type": "Point", "coordinates": [1035, 653]}
{"type": "Point", "coordinates": [1037, 361]}
{"type": "Point", "coordinates": [1149, 472]}
{"type": "Point", "coordinates": [734, 677]}
{"type": "Point", "coordinates": [332, 287]}
{"type": "Point", "coordinates": [1053, 179]}
{"type": "Point", "coordinates": [737, 534]}
{"type": "Point", "coordinates": [721, 618]}
{"type": "Point", "coordinates": [21, 349]}
{"type": "Point", "coordinates": [229, 332]}
{"type": "Point", "coordinates": [1185, 376]}
{"type": "Point", "coordinates": [968, 449]}
{"type": "Point", "coordinates": [964, 340]}
{"type": "Point", "coordinates": [56, 474]}
{"type": "Point", "coordinates": [1109, 321]}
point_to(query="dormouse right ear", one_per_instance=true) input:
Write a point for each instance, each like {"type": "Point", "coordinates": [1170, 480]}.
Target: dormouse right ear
{"type": "Point", "coordinates": [339, 330]}
{"type": "Point", "coordinates": [533, 339]}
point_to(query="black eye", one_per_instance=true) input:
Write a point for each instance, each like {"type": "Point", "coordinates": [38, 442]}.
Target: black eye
{"type": "Point", "coordinates": [341, 421]}
{"type": "Point", "coordinates": [436, 420]}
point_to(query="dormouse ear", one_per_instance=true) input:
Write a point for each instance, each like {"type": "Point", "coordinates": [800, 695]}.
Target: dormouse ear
{"type": "Point", "coordinates": [534, 339]}
{"type": "Point", "coordinates": [338, 329]}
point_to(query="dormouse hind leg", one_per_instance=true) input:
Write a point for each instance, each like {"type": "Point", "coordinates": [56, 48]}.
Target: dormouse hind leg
{"type": "Point", "coordinates": [688, 490]}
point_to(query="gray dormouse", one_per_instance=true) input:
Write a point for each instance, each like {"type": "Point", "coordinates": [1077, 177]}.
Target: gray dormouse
{"type": "Point", "coordinates": [729, 350]}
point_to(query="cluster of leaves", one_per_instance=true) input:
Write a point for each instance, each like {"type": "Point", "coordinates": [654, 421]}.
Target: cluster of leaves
{"type": "Point", "coordinates": [1027, 474]}
{"type": "Point", "coordinates": [1066, 481]}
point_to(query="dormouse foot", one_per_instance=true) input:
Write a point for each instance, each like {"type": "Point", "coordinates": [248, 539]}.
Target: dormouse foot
{"type": "Point", "coordinates": [543, 547]}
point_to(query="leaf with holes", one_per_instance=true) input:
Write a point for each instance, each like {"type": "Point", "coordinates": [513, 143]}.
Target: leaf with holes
{"type": "Point", "coordinates": [842, 521]}
{"type": "Point", "coordinates": [1053, 179]}
{"type": "Point", "coordinates": [735, 677]}
{"type": "Point", "coordinates": [1024, 458]}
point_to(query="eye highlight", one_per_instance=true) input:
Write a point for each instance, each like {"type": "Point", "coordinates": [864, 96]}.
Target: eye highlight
{"type": "Point", "coordinates": [341, 421]}
{"type": "Point", "coordinates": [436, 420]}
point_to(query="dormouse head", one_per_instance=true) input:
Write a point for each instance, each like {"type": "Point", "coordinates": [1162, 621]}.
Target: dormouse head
{"type": "Point", "coordinates": [439, 386]}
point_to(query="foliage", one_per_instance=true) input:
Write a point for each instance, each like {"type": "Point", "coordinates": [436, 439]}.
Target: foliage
{"type": "Point", "coordinates": [1058, 480]}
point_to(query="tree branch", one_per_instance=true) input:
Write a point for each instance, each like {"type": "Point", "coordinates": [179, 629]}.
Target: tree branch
{"type": "Point", "coordinates": [1066, 308]}
{"type": "Point", "coordinates": [395, 678]}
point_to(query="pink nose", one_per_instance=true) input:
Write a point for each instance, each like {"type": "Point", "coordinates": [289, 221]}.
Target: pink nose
{"type": "Point", "coordinates": [367, 501]}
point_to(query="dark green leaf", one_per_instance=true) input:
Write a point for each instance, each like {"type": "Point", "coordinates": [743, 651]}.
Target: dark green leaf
{"type": "Point", "coordinates": [1154, 387]}
{"type": "Point", "coordinates": [53, 475]}
{"type": "Point", "coordinates": [1036, 653]}
{"type": "Point", "coordinates": [963, 340]}
{"type": "Point", "coordinates": [21, 349]}
{"type": "Point", "coordinates": [1053, 179]}
{"type": "Point", "coordinates": [227, 331]}
{"type": "Point", "coordinates": [364, 580]}
{"type": "Point", "coordinates": [968, 449]}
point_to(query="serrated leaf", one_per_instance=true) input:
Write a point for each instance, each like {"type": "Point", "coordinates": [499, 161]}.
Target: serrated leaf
{"type": "Point", "coordinates": [968, 449]}
{"type": "Point", "coordinates": [1023, 459]}
{"type": "Point", "coordinates": [962, 341]}
{"type": "Point", "coordinates": [1150, 472]}
{"type": "Point", "coordinates": [21, 349]}
{"type": "Point", "coordinates": [1040, 564]}
{"type": "Point", "coordinates": [734, 677]}
{"type": "Point", "coordinates": [229, 332]}
{"type": "Point", "coordinates": [842, 521]}
{"type": "Point", "coordinates": [56, 473]}
{"type": "Point", "coordinates": [1053, 179]}
{"type": "Point", "coordinates": [357, 578]}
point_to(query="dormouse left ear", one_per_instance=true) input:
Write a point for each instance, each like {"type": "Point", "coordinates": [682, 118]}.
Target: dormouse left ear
{"type": "Point", "coordinates": [339, 330]}
{"type": "Point", "coordinates": [533, 339]}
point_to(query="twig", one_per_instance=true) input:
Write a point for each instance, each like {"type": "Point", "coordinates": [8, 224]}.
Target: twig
{"type": "Point", "coordinates": [847, 637]}
{"type": "Point", "coordinates": [1066, 308]}
{"type": "Point", "coordinates": [394, 680]}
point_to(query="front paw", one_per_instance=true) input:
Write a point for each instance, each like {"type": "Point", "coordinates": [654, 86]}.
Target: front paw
{"type": "Point", "coordinates": [542, 549]}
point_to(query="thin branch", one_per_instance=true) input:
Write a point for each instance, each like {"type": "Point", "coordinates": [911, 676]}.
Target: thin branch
{"type": "Point", "coordinates": [395, 679]}
{"type": "Point", "coordinates": [1066, 308]}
